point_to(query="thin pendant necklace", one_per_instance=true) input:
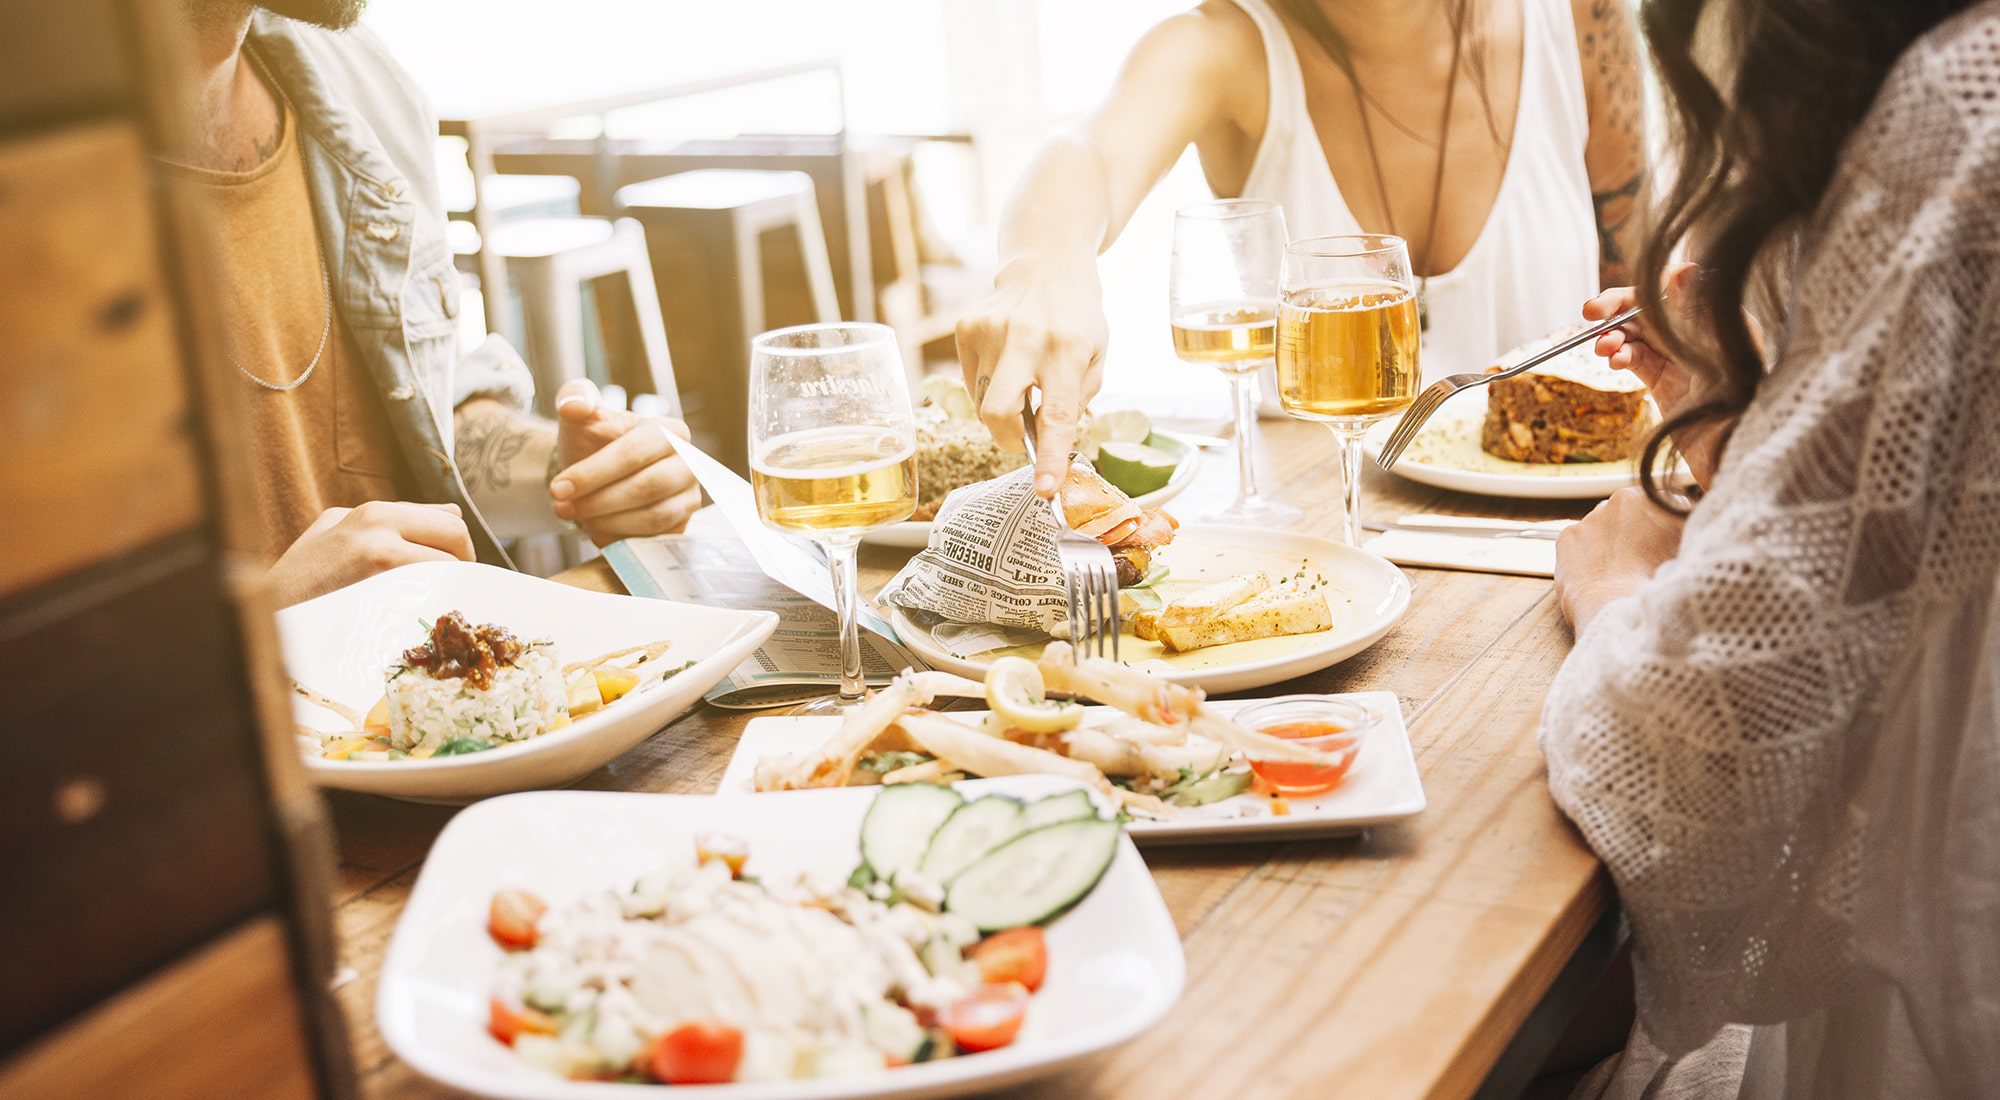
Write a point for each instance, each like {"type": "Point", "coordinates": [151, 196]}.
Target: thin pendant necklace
{"type": "Point", "coordinates": [1362, 99]}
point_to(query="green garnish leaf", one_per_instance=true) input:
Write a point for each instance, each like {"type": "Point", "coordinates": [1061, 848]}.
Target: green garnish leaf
{"type": "Point", "coordinates": [460, 746]}
{"type": "Point", "coordinates": [882, 763]}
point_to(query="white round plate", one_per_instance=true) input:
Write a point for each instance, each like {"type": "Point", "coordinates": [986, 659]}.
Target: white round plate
{"type": "Point", "coordinates": [1115, 962]}
{"type": "Point", "coordinates": [1446, 454]}
{"type": "Point", "coordinates": [341, 644]}
{"type": "Point", "coordinates": [1367, 595]}
{"type": "Point", "coordinates": [916, 534]}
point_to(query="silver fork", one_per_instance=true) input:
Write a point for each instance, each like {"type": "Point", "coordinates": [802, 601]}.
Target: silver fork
{"type": "Point", "coordinates": [1090, 577]}
{"type": "Point", "coordinates": [1444, 389]}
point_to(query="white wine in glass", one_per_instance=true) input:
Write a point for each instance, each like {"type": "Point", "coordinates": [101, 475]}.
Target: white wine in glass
{"type": "Point", "coordinates": [1222, 299]}
{"type": "Point", "coordinates": [830, 480]}
{"type": "Point", "coordinates": [832, 454]}
{"type": "Point", "coordinates": [1348, 343]}
{"type": "Point", "coordinates": [1233, 337]}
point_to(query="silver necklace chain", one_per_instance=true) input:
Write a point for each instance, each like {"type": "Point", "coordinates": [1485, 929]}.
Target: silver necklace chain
{"type": "Point", "coordinates": [325, 329]}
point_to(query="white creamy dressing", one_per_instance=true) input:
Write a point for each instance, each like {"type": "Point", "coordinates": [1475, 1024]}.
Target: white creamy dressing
{"type": "Point", "coordinates": [799, 970]}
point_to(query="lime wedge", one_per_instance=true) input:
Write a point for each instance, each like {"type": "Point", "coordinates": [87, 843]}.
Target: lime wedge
{"type": "Point", "coordinates": [948, 392]}
{"type": "Point", "coordinates": [1134, 467]}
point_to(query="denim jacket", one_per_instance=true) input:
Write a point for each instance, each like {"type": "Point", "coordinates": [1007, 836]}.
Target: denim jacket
{"type": "Point", "coordinates": [367, 136]}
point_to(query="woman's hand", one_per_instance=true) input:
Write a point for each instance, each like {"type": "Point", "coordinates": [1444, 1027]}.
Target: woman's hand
{"type": "Point", "coordinates": [1630, 347]}
{"type": "Point", "coordinates": [1043, 327]}
{"type": "Point", "coordinates": [1613, 552]}
{"type": "Point", "coordinates": [620, 476]}
{"type": "Point", "coordinates": [345, 545]}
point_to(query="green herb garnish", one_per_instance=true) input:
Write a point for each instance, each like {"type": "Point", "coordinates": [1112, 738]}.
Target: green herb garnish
{"type": "Point", "coordinates": [460, 746]}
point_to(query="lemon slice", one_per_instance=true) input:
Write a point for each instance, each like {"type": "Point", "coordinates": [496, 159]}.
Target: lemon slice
{"type": "Point", "coordinates": [1014, 691]}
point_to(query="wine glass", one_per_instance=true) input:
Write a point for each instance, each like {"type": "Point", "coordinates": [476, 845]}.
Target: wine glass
{"type": "Point", "coordinates": [1347, 342]}
{"type": "Point", "coordinates": [1222, 296]}
{"type": "Point", "coordinates": [832, 454]}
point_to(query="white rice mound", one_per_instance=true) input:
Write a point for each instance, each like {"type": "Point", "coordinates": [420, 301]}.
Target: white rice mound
{"type": "Point", "coordinates": [526, 699]}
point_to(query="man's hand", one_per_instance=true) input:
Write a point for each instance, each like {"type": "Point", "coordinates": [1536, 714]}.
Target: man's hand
{"type": "Point", "coordinates": [1613, 552]}
{"type": "Point", "coordinates": [620, 477]}
{"type": "Point", "coordinates": [345, 545]}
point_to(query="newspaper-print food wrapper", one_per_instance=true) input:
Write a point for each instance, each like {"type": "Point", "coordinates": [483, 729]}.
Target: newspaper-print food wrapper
{"type": "Point", "coordinates": [991, 562]}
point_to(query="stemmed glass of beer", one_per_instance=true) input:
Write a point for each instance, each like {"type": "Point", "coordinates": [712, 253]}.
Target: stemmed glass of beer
{"type": "Point", "coordinates": [1347, 342]}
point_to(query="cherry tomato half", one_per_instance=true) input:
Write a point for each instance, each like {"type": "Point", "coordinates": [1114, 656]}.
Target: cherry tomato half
{"type": "Point", "coordinates": [508, 1021]}
{"type": "Point", "coordinates": [987, 1018]}
{"type": "Point", "coordinates": [705, 1052]}
{"type": "Point", "coordinates": [512, 917]}
{"type": "Point", "coordinates": [1016, 955]}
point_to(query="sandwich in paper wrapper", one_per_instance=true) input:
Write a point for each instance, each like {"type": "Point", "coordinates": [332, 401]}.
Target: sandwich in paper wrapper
{"type": "Point", "coordinates": [992, 566]}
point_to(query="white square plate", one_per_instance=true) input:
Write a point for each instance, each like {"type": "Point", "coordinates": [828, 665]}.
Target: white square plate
{"type": "Point", "coordinates": [1382, 786]}
{"type": "Point", "coordinates": [342, 643]}
{"type": "Point", "coordinates": [1115, 964]}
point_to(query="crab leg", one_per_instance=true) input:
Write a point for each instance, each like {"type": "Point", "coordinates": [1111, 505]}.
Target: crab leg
{"type": "Point", "coordinates": [1110, 682]}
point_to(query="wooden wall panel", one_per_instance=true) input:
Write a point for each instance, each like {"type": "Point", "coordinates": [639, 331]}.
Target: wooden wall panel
{"type": "Point", "coordinates": [222, 1024]}
{"type": "Point", "coordinates": [136, 815]}
{"type": "Point", "coordinates": [94, 410]}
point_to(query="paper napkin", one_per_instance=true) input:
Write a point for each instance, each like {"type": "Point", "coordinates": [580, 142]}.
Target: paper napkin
{"type": "Point", "coordinates": [1528, 557]}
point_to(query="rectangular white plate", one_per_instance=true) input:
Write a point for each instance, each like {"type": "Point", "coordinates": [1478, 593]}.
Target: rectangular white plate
{"type": "Point", "coordinates": [1115, 963]}
{"type": "Point", "coordinates": [341, 644]}
{"type": "Point", "coordinates": [1382, 786]}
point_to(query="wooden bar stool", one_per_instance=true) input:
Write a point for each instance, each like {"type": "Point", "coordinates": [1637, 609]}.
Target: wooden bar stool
{"type": "Point", "coordinates": [551, 262]}
{"type": "Point", "coordinates": [707, 230]}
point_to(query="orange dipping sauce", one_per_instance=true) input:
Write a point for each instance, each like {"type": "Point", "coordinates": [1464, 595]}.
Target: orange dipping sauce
{"type": "Point", "coordinates": [1296, 778]}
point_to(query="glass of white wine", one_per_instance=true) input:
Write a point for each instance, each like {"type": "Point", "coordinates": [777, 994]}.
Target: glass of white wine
{"type": "Point", "coordinates": [1347, 342]}
{"type": "Point", "coordinates": [832, 454]}
{"type": "Point", "coordinates": [1222, 296]}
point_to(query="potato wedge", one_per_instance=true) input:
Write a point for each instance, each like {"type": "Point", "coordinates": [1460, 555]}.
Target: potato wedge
{"type": "Point", "coordinates": [1271, 614]}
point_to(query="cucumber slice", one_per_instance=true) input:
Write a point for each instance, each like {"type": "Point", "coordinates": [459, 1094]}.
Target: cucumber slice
{"type": "Point", "coordinates": [1067, 806]}
{"type": "Point", "coordinates": [972, 830]}
{"type": "Point", "coordinates": [897, 831]}
{"type": "Point", "coordinates": [1036, 876]}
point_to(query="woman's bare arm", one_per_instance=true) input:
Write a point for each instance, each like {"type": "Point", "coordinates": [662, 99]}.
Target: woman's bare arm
{"type": "Point", "coordinates": [1044, 325]}
{"type": "Point", "coordinates": [1607, 39]}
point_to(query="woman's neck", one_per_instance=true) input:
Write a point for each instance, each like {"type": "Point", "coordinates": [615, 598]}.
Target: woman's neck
{"type": "Point", "coordinates": [1386, 30]}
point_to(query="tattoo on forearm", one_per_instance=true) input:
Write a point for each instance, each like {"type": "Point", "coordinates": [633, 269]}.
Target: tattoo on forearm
{"type": "Point", "coordinates": [487, 447]}
{"type": "Point", "coordinates": [1614, 210]}
{"type": "Point", "coordinates": [1608, 40]}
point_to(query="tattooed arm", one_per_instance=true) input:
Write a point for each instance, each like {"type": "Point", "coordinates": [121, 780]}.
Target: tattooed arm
{"type": "Point", "coordinates": [1607, 40]}
{"type": "Point", "coordinates": [613, 473]}
{"type": "Point", "coordinates": [503, 455]}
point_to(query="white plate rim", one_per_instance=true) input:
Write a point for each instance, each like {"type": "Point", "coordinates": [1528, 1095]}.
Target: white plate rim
{"type": "Point", "coordinates": [1226, 678]}
{"type": "Point", "coordinates": [951, 1076]}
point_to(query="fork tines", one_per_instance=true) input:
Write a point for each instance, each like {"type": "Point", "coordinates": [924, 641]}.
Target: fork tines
{"type": "Point", "coordinates": [1420, 410]}
{"type": "Point", "coordinates": [1090, 585]}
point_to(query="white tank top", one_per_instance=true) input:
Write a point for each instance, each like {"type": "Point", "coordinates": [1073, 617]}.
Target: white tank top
{"type": "Point", "coordinates": [1535, 261]}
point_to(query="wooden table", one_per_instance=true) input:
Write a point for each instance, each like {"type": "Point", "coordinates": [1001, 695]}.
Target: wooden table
{"type": "Point", "coordinates": [1400, 963]}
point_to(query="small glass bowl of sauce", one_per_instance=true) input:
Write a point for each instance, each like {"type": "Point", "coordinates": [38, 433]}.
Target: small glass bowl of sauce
{"type": "Point", "coordinates": [1330, 724]}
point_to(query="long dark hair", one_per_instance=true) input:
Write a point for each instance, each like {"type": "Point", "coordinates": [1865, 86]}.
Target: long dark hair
{"type": "Point", "coordinates": [1754, 161]}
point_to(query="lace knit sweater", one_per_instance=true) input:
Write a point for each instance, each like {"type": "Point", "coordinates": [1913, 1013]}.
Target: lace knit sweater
{"type": "Point", "coordinates": [1787, 746]}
